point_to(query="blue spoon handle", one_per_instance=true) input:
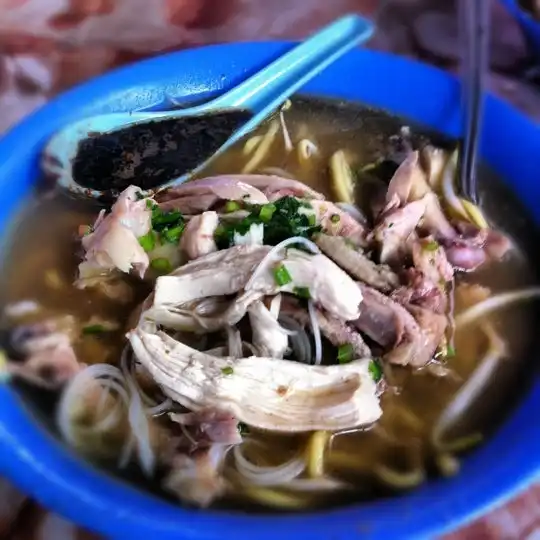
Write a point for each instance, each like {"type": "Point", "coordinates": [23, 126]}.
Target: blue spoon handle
{"type": "Point", "coordinates": [266, 90]}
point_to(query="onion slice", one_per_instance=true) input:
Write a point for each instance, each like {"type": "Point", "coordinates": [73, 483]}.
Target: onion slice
{"type": "Point", "coordinates": [109, 379]}
{"type": "Point", "coordinates": [268, 476]}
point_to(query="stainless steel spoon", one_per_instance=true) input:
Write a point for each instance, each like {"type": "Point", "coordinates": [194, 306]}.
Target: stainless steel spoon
{"type": "Point", "coordinates": [475, 22]}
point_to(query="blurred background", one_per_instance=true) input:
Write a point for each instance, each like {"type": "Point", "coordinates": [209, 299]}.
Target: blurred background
{"type": "Point", "coordinates": [47, 46]}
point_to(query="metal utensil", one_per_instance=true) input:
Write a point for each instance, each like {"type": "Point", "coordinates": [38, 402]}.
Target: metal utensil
{"type": "Point", "coordinates": [475, 19]}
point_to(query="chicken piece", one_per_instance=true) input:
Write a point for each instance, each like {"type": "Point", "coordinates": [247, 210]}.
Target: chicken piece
{"type": "Point", "coordinates": [48, 356]}
{"type": "Point", "coordinates": [394, 227]}
{"type": "Point", "coordinates": [408, 182]}
{"type": "Point", "coordinates": [276, 187]}
{"type": "Point", "coordinates": [432, 326]}
{"type": "Point", "coordinates": [335, 330]}
{"type": "Point", "coordinates": [435, 222]}
{"type": "Point", "coordinates": [216, 274]}
{"type": "Point", "coordinates": [421, 291]}
{"type": "Point", "coordinates": [207, 427]}
{"type": "Point", "coordinates": [337, 222]}
{"type": "Point", "coordinates": [381, 320]}
{"type": "Point", "coordinates": [229, 271]}
{"type": "Point", "coordinates": [49, 368]}
{"type": "Point", "coordinates": [198, 237]}
{"type": "Point", "coordinates": [113, 243]}
{"type": "Point", "coordinates": [30, 338]}
{"type": "Point", "coordinates": [197, 478]}
{"type": "Point", "coordinates": [190, 319]}
{"type": "Point", "coordinates": [404, 208]}
{"type": "Point", "coordinates": [200, 195]}
{"type": "Point", "coordinates": [356, 263]}
{"type": "Point", "coordinates": [265, 393]}
{"type": "Point", "coordinates": [269, 337]}
{"type": "Point", "coordinates": [429, 257]}
{"type": "Point", "coordinates": [325, 282]}
{"type": "Point", "coordinates": [416, 335]}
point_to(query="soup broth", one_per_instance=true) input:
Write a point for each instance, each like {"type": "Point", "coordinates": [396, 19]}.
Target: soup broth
{"type": "Point", "coordinates": [397, 452]}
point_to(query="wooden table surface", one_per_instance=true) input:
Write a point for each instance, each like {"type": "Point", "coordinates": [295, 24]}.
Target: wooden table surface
{"type": "Point", "coordinates": [49, 45]}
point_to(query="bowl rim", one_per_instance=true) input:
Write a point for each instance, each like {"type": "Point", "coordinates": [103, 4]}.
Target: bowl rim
{"type": "Point", "coordinates": [42, 467]}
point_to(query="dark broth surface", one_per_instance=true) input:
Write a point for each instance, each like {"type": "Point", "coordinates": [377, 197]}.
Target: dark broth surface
{"type": "Point", "coordinates": [42, 258]}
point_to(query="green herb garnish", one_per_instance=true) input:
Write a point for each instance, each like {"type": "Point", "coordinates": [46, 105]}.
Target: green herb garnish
{"type": "Point", "coordinates": [228, 370]}
{"type": "Point", "coordinates": [450, 351]}
{"type": "Point", "coordinates": [173, 234]}
{"type": "Point", "coordinates": [232, 206]}
{"type": "Point", "coordinates": [164, 220]}
{"type": "Point", "coordinates": [281, 219]}
{"type": "Point", "coordinates": [375, 370]}
{"type": "Point", "coordinates": [161, 265]}
{"type": "Point", "coordinates": [281, 275]}
{"type": "Point", "coordinates": [85, 230]}
{"type": "Point", "coordinates": [302, 292]}
{"type": "Point", "coordinates": [266, 212]}
{"type": "Point", "coordinates": [345, 353]}
{"type": "Point", "coordinates": [243, 429]}
{"type": "Point", "coordinates": [148, 241]}
{"type": "Point", "coordinates": [93, 329]}
{"type": "Point", "coordinates": [334, 218]}
{"type": "Point", "coordinates": [432, 245]}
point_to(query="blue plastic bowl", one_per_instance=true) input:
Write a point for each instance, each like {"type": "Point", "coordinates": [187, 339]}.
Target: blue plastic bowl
{"type": "Point", "coordinates": [41, 466]}
{"type": "Point", "coordinates": [529, 26]}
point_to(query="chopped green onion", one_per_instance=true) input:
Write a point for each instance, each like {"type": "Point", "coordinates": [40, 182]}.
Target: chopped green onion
{"type": "Point", "coordinates": [390, 225]}
{"type": "Point", "coordinates": [334, 218]}
{"type": "Point", "coordinates": [173, 235]}
{"type": "Point", "coordinates": [228, 370]}
{"type": "Point", "coordinates": [148, 241]}
{"type": "Point", "coordinates": [281, 275]}
{"type": "Point", "coordinates": [345, 353]}
{"type": "Point", "coordinates": [375, 370]}
{"type": "Point", "coordinates": [93, 329]}
{"type": "Point", "coordinates": [85, 230]}
{"type": "Point", "coordinates": [312, 220]}
{"type": "Point", "coordinates": [165, 218]}
{"type": "Point", "coordinates": [232, 206]}
{"type": "Point", "coordinates": [243, 429]}
{"type": "Point", "coordinates": [161, 219]}
{"type": "Point", "coordinates": [431, 246]}
{"type": "Point", "coordinates": [302, 292]}
{"type": "Point", "coordinates": [267, 211]}
{"type": "Point", "coordinates": [450, 351]}
{"type": "Point", "coordinates": [162, 265]}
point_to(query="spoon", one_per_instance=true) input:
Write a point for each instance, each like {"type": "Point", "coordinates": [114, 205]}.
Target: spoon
{"type": "Point", "coordinates": [475, 19]}
{"type": "Point", "coordinates": [254, 100]}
